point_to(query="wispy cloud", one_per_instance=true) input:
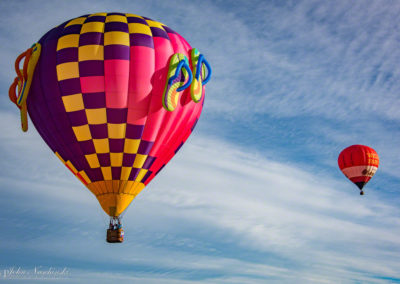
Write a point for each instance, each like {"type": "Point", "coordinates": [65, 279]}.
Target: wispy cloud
{"type": "Point", "coordinates": [312, 58]}
{"type": "Point", "coordinates": [215, 211]}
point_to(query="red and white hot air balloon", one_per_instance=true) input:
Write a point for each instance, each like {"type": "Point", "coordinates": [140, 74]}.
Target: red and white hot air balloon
{"type": "Point", "coordinates": [358, 163]}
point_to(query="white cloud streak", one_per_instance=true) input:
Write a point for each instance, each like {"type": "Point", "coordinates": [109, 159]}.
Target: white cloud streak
{"type": "Point", "coordinates": [215, 213]}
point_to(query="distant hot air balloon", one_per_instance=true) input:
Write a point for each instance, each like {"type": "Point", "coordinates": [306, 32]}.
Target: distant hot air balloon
{"type": "Point", "coordinates": [358, 163]}
{"type": "Point", "coordinates": [114, 96]}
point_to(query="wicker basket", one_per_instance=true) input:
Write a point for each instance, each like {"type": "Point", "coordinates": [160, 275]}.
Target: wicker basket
{"type": "Point", "coordinates": [115, 236]}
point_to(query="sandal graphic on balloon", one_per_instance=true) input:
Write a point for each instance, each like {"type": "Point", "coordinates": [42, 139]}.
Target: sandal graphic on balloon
{"type": "Point", "coordinates": [199, 64]}
{"type": "Point", "coordinates": [178, 79]}
{"type": "Point", "coordinates": [19, 89]}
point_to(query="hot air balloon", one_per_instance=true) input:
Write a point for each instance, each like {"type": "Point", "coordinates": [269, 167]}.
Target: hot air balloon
{"type": "Point", "coordinates": [114, 96]}
{"type": "Point", "coordinates": [358, 163]}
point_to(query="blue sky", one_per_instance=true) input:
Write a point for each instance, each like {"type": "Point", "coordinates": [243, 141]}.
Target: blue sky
{"type": "Point", "coordinates": [255, 194]}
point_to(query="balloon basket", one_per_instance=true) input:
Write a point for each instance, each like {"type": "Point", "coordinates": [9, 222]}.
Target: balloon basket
{"type": "Point", "coordinates": [115, 236]}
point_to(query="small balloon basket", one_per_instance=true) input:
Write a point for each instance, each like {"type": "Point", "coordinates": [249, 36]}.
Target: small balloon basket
{"type": "Point", "coordinates": [115, 233]}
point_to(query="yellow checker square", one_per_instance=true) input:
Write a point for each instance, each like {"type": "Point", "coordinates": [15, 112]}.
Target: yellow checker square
{"type": "Point", "coordinates": [133, 15]}
{"type": "Point", "coordinates": [137, 28]}
{"type": "Point", "coordinates": [96, 115]}
{"type": "Point", "coordinates": [101, 146]}
{"type": "Point", "coordinates": [67, 70]}
{"type": "Point", "coordinates": [125, 173]}
{"type": "Point", "coordinates": [77, 21]}
{"type": "Point", "coordinates": [116, 159]}
{"type": "Point", "coordinates": [116, 130]}
{"type": "Point", "coordinates": [139, 161]}
{"type": "Point", "coordinates": [154, 24]}
{"type": "Point", "coordinates": [93, 160]}
{"type": "Point", "coordinates": [116, 18]}
{"type": "Point", "coordinates": [141, 175]}
{"type": "Point", "coordinates": [68, 41]}
{"type": "Point", "coordinates": [131, 146]}
{"type": "Point", "coordinates": [92, 27]}
{"type": "Point", "coordinates": [91, 52]}
{"type": "Point", "coordinates": [73, 102]}
{"type": "Point", "coordinates": [120, 38]}
{"type": "Point", "coordinates": [107, 174]}
{"type": "Point", "coordinates": [82, 133]}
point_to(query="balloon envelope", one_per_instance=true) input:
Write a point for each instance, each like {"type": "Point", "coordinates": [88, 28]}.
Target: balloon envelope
{"type": "Point", "coordinates": [358, 163]}
{"type": "Point", "coordinates": [96, 100]}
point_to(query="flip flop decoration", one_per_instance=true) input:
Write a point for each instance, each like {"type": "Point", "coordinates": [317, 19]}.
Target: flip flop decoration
{"type": "Point", "coordinates": [178, 79]}
{"type": "Point", "coordinates": [199, 64]}
{"type": "Point", "coordinates": [23, 81]}
{"type": "Point", "coordinates": [180, 76]}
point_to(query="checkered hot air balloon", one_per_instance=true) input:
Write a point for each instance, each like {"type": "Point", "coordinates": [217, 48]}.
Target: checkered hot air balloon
{"type": "Point", "coordinates": [358, 163]}
{"type": "Point", "coordinates": [114, 96]}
